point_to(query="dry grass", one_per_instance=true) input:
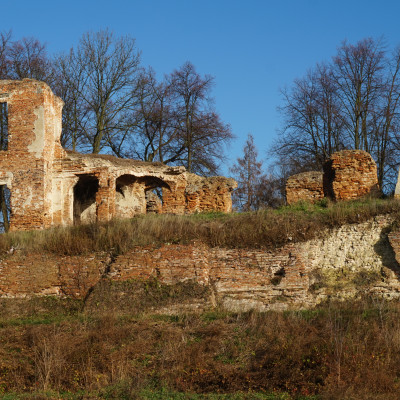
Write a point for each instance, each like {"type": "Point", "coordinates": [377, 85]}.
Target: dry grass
{"type": "Point", "coordinates": [346, 351]}
{"type": "Point", "coordinates": [263, 229]}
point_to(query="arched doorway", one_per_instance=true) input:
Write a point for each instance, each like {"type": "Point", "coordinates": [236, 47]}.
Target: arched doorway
{"type": "Point", "coordinates": [138, 195]}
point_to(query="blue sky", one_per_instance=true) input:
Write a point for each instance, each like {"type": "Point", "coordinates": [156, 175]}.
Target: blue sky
{"type": "Point", "coordinates": [252, 48]}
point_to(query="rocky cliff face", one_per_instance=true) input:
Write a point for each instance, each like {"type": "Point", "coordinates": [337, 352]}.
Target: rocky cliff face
{"type": "Point", "coordinates": [346, 262]}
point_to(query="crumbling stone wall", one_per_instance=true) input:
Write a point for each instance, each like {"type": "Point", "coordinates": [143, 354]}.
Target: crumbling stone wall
{"type": "Point", "coordinates": [347, 175]}
{"type": "Point", "coordinates": [34, 128]}
{"type": "Point", "coordinates": [350, 174]}
{"type": "Point", "coordinates": [250, 275]}
{"type": "Point", "coordinates": [394, 239]}
{"type": "Point", "coordinates": [397, 189]}
{"type": "Point", "coordinates": [350, 260]}
{"type": "Point", "coordinates": [208, 194]}
{"type": "Point", "coordinates": [307, 186]}
{"type": "Point", "coordinates": [51, 186]}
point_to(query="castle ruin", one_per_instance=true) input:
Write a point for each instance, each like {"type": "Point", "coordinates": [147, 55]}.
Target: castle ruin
{"type": "Point", "coordinates": [52, 186]}
{"type": "Point", "coordinates": [347, 175]}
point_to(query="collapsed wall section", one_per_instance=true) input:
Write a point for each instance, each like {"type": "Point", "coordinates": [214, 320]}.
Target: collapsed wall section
{"type": "Point", "coordinates": [208, 194]}
{"type": "Point", "coordinates": [307, 186]}
{"type": "Point", "coordinates": [350, 174]}
{"type": "Point", "coordinates": [347, 175]}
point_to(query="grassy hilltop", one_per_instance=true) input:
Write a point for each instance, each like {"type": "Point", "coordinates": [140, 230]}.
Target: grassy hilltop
{"type": "Point", "coordinates": [267, 229]}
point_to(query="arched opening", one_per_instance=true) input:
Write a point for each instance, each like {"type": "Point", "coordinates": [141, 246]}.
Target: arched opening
{"type": "Point", "coordinates": [85, 199]}
{"type": "Point", "coordinates": [154, 194]}
{"type": "Point", "coordinates": [129, 197]}
{"type": "Point", "coordinates": [138, 195]}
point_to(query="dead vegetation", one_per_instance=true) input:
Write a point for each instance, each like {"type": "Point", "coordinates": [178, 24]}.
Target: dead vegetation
{"type": "Point", "coordinates": [133, 339]}
{"type": "Point", "coordinates": [105, 350]}
{"type": "Point", "coordinates": [268, 228]}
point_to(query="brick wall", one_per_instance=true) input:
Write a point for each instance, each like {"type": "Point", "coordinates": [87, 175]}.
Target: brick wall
{"type": "Point", "coordinates": [240, 278]}
{"type": "Point", "coordinates": [32, 129]}
{"type": "Point", "coordinates": [306, 186]}
{"type": "Point", "coordinates": [208, 194]}
{"type": "Point", "coordinates": [350, 174]}
{"type": "Point", "coordinates": [347, 175]}
{"type": "Point", "coordinates": [233, 273]}
{"type": "Point", "coordinates": [38, 274]}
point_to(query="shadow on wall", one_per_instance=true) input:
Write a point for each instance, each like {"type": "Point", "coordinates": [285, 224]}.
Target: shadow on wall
{"type": "Point", "coordinates": [347, 175]}
{"type": "Point", "coordinates": [85, 199]}
{"type": "Point", "coordinates": [385, 250]}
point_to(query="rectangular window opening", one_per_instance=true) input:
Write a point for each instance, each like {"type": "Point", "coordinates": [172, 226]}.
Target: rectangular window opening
{"type": "Point", "coordinates": [5, 208]}
{"type": "Point", "coordinates": [3, 126]}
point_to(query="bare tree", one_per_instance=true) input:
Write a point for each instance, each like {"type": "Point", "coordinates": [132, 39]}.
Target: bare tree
{"type": "Point", "coordinates": [351, 103]}
{"type": "Point", "coordinates": [158, 130]}
{"type": "Point", "coordinates": [247, 170]}
{"type": "Point", "coordinates": [151, 133]}
{"type": "Point", "coordinates": [74, 111]}
{"type": "Point", "coordinates": [5, 38]}
{"type": "Point", "coordinates": [27, 58]}
{"type": "Point", "coordinates": [358, 73]}
{"type": "Point", "coordinates": [201, 132]}
{"type": "Point", "coordinates": [313, 125]}
{"type": "Point", "coordinates": [385, 123]}
{"type": "Point", "coordinates": [100, 74]}
{"type": "Point", "coordinates": [174, 122]}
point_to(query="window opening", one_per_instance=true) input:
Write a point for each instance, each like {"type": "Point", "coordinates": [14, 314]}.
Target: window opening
{"type": "Point", "coordinates": [154, 195]}
{"type": "Point", "coordinates": [3, 126]}
{"type": "Point", "coordinates": [5, 208]}
{"type": "Point", "coordinates": [154, 201]}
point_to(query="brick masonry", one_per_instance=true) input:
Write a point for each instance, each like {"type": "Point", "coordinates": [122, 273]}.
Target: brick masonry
{"type": "Point", "coordinates": [307, 186]}
{"type": "Point", "coordinates": [51, 186]}
{"type": "Point", "coordinates": [350, 174]}
{"type": "Point", "coordinates": [296, 275]}
{"type": "Point", "coordinates": [347, 175]}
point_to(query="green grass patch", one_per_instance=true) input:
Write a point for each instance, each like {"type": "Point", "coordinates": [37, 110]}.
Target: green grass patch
{"type": "Point", "coordinates": [163, 394]}
{"type": "Point", "coordinates": [122, 392]}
